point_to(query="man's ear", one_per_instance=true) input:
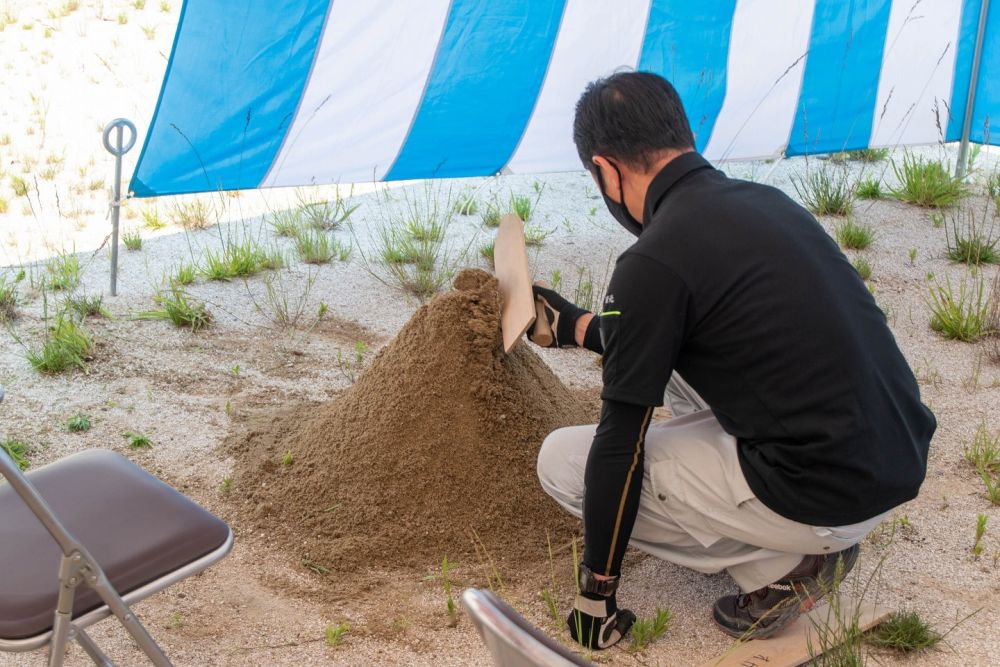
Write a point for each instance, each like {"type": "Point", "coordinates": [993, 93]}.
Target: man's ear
{"type": "Point", "coordinates": [609, 175]}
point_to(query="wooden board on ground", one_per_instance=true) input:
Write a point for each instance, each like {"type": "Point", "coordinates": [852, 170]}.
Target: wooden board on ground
{"type": "Point", "coordinates": [791, 646]}
{"type": "Point", "coordinates": [510, 259]}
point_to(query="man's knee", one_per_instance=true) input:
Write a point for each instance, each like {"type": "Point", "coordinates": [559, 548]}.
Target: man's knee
{"type": "Point", "coordinates": [562, 458]}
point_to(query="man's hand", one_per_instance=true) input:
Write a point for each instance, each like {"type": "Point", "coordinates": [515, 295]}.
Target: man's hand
{"type": "Point", "coordinates": [596, 622]}
{"type": "Point", "coordinates": [562, 316]}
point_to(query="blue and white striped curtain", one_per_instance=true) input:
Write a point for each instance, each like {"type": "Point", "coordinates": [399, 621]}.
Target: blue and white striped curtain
{"type": "Point", "coordinates": [298, 92]}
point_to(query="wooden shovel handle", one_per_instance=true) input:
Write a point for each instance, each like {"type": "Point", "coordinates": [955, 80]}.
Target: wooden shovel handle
{"type": "Point", "coordinates": [543, 332]}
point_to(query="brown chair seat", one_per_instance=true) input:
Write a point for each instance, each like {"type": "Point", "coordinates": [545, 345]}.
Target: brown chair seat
{"type": "Point", "coordinates": [137, 528]}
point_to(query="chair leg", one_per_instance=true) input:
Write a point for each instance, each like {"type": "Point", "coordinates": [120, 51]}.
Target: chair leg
{"type": "Point", "coordinates": [91, 648]}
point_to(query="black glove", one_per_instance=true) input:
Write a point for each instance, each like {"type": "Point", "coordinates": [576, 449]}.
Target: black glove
{"type": "Point", "coordinates": [561, 314]}
{"type": "Point", "coordinates": [596, 622]}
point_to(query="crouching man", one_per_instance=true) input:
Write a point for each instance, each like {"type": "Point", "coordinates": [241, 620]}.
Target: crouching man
{"type": "Point", "coordinates": [797, 423]}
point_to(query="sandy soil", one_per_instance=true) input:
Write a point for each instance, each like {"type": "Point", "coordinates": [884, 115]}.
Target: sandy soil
{"type": "Point", "coordinates": [261, 606]}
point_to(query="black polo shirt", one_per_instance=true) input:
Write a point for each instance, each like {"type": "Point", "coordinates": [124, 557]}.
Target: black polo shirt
{"type": "Point", "coordinates": [740, 290]}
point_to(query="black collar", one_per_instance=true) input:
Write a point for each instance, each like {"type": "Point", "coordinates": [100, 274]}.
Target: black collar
{"type": "Point", "coordinates": [671, 174]}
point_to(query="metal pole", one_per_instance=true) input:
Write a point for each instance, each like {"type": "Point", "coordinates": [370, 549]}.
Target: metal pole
{"type": "Point", "coordinates": [963, 147]}
{"type": "Point", "coordinates": [118, 150]}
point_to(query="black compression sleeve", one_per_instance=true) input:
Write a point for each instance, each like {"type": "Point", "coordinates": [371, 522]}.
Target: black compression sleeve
{"type": "Point", "coordinates": [592, 337]}
{"type": "Point", "coordinates": [613, 481]}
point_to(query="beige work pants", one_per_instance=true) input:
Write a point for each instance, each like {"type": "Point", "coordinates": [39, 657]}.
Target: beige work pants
{"type": "Point", "coordinates": [696, 508]}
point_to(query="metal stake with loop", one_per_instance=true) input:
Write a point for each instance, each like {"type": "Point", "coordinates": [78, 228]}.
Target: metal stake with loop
{"type": "Point", "coordinates": [119, 149]}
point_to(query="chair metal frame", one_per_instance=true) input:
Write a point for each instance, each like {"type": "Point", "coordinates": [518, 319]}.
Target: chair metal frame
{"type": "Point", "coordinates": [508, 634]}
{"type": "Point", "coordinates": [78, 568]}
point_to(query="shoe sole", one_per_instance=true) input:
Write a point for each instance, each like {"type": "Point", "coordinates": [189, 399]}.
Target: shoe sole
{"type": "Point", "coordinates": [810, 591]}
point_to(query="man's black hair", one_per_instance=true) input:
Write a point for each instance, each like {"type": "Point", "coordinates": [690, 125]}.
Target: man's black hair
{"type": "Point", "coordinates": [632, 117]}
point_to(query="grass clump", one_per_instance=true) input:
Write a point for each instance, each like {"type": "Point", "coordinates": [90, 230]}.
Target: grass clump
{"type": "Point", "coordinates": [466, 204]}
{"type": "Point", "coordinates": [335, 634]}
{"type": "Point", "coordinates": [18, 451]}
{"type": "Point", "coordinates": [19, 186]}
{"type": "Point", "coordinates": [645, 631]}
{"type": "Point", "coordinates": [137, 440]}
{"type": "Point", "coordinates": [62, 272]}
{"type": "Point", "coordinates": [869, 188]}
{"type": "Point", "coordinates": [239, 258]}
{"type": "Point", "coordinates": [316, 246]}
{"type": "Point", "coordinates": [535, 236]}
{"type": "Point", "coordinates": [863, 267]}
{"type": "Point", "coordinates": [132, 240]}
{"type": "Point", "coordinates": [78, 423]}
{"type": "Point", "coordinates": [486, 252]}
{"type": "Point", "coordinates": [522, 206]}
{"type": "Point", "coordinates": [87, 306]}
{"type": "Point", "coordinates": [926, 183]}
{"type": "Point", "coordinates": [853, 235]}
{"type": "Point", "coordinates": [151, 218]}
{"type": "Point", "coordinates": [185, 274]}
{"type": "Point", "coordinates": [491, 215]}
{"type": "Point", "coordinates": [66, 345]}
{"type": "Point", "coordinates": [194, 214]}
{"type": "Point", "coordinates": [285, 223]}
{"type": "Point", "coordinates": [175, 307]}
{"type": "Point", "coordinates": [959, 315]}
{"type": "Point", "coordinates": [9, 297]}
{"type": "Point", "coordinates": [826, 192]}
{"type": "Point", "coordinates": [904, 631]}
{"type": "Point", "coordinates": [324, 214]}
{"type": "Point", "coordinates": [970, 240]}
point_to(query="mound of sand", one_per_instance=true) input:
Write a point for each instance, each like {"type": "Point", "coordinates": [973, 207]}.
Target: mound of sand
{"type": "Point", "coordinates": [437, 439]}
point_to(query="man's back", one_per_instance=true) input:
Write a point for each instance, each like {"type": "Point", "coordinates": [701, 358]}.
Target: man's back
{"type": "Point", "coordinates": [787, 345]}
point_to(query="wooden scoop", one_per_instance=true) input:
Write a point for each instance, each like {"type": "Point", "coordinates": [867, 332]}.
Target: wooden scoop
{"type": "Point", "coordinates": [518, 309]}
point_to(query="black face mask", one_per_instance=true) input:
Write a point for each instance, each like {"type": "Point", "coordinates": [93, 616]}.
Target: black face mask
{"type": "Point", "coordinates": [618, 210]}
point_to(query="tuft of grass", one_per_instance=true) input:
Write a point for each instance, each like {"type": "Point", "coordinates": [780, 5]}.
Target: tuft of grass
{"type": "Point", "coordinates": [149, 31]}
{"type": "Point", "coordinates": [9, 297]}
{"type": "Point", "coordinates": [486, 252]}
{"type": "Point", "coordinates": [226, 486]}
{"type": "Point", "coordinates": [983, 451]}
{"type": "Point", "coordinates": [325, 215]}
{"type": "Point", "coordinates": [863, 267]}
{"type": "Point", "coordinates": [446, 569]}
{"type": "Point", "coordinates": [66, 345]}
{"type": "Point", "coordinates": [185, 274]}
{"type": "Point", "coordinates": [826, 191]}
{"type": "Point", "coordinates": [926, 182]}
{"type": "Point", "coordinates": [122, 18]}
{"type": "Point", "coordinates": [239, 257]}
{"type": "Point", "coordinates": [151, 218]}
{"type": "Point", "coordinates": [977, 544]}
{"type": "Point", "coordinates": [466, 204]}
{"type": "Point", "coordinates": [164, 7]}
{"type": "Point", "coordinates": [869, 188]}
{"type": "Point", "coordinates": [491, 215]}
{"type": "Point", "coordinates": [645, 631]}
{"type": "Point", "coordinates": [535, 236]}
{"type": "Point", "coordinates": [62, 272]}
{"type": "Point", "coordinates": [194, 214]}
{"type": "Point", "coordinates": [137, 440]}
{"type": "Point", "coordinates": [316, 246]}
{"type": "Point", "coordinates": [992, 485]}
{"type": "Point", "coordinates": [287, 459]}
{"type": "Point", "coordinates": [351, 365]}
{"type": "Point", "coordinates": [87, 306]}
{"type": "Point", "coordinates": [16, 450]}
{"type": "Point", "coordinates": [869, 154]}
{"type": "Point", "coordinates": [4, 205]}
{"type": "Point", "coordinates": [904, 631]}
{"type": "Point", "coordinates": [959, 315]}
{"type": "Point", "coordinates": [285, 223]}
{"type": "Point", "coordinates": [132, 240]}
{"type": "Point", "coordinates": [19, 186]}
{"type": "Point", "coordinates": [853, 235]}
{"type": "Point", "coordinates": [335, 634]}
{"type": "Point", "coordinates": [175, 307]}
{"type": "Point", "coordinates": [971, 240]}
{"type": "Point", "coordinates": [78, 423]}
{"type": "Point", "coordinates": [522, 206]}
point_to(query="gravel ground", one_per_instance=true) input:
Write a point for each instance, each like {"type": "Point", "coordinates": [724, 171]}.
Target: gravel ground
{"type": "Point", "coordinates": [184, 390]}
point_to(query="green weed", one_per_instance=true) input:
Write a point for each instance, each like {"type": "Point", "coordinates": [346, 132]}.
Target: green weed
{"type": "Point", "coordinates": [826, 191]}
{"type": "Point", "coordinates": [926, 183]}
{"type": "Point", "coordinates": [486, 251]}
{"type": "Point", "coordinates": [286, 222]}
{"type": "Point", "coordinates": [446, 569]}
{"type": "Point", "coordinates": [992, 485]}
{"type": "Point", "coordinates": [853, 235]}
{"type": "Point", "coordinates": [137, 440]}
{"type": "Point", "coordinates": [912, 254]}
{"type": "Point", "coordinates": [521, 205]}
{"type": "Point", "coordinates": [315, 246]}
{"type": "Point", "coordinates": [238, 258]}
{"type": "Point", "coordinates": [535, 236]}
{"type": "Point", "coordinates": [175, 307]}
{"type": "Point", "coordinates": [78, 423]}
{"type": "Point", "coordinates": [904, 631]}
{"type": "Point", "coordinates": [869, 188]}
{"type": "Point", "coordinates": [971, 240]}
{"type": "Point", "coordinates": [335, 634]}
{"type": "Point", "coordinates": [226, 485]}
{"type": "Point", "coordinates": [185, 274]}
{"type": "Point", "coordinates": [977, 544]}
{"type": "Point", "coordinates": [151, 218]}
{"type": "Point", "coordinates": [194, 214]}
{"type": "Point", "coordinates": [132, 240]}
{"type": "Point", "coordinates": [491, 215]}
{"type": "Point", "coordinates": [466, 204]}
{"type": "Point", "coordinates": [62, 272]}
{"type": "Point", "coordinates": [9, 297]}
{"type": "Point", "coordinates": [87, 306]}
{"type": "Point", "coordinates": [863, 267]}
{"type": "Point", "coordinates": [66, 345]}
{"type": "Point", "coordinates": [287, 459]}
{"type": "Point", "coordinates": [324, 215]}
{"type": "Point", "coordinates": [16, 450]}
{"type": "Point", "coordinates": [645, 631]}
{"type": "Point", "coordinates": [983, 451]}
{"type": "Point", "coordinates": [351, 365]}
{"type": "Point", "coordinates": [4, 205]}
{"type": "Point", "coordinates": [19, 186]}
{"type": "Point", "coordinates": [962, 314]}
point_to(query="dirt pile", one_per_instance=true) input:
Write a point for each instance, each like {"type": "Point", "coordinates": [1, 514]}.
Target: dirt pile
{"type": "Point", "coordinates": [438, 438]}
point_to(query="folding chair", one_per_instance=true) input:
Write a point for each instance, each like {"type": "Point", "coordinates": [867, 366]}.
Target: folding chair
{"type": "Point", "coordinates": [141, 536]}
{"type": "Point", "coordinates": [512, 641]}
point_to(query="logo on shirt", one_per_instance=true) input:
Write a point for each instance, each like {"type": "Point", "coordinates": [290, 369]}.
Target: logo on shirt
{"type": "Point", "coordinates": [609, 300]}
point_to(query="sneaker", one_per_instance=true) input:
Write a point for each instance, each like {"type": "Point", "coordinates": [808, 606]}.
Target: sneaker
{"type": "Point", "coordinates": [761, 613]}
